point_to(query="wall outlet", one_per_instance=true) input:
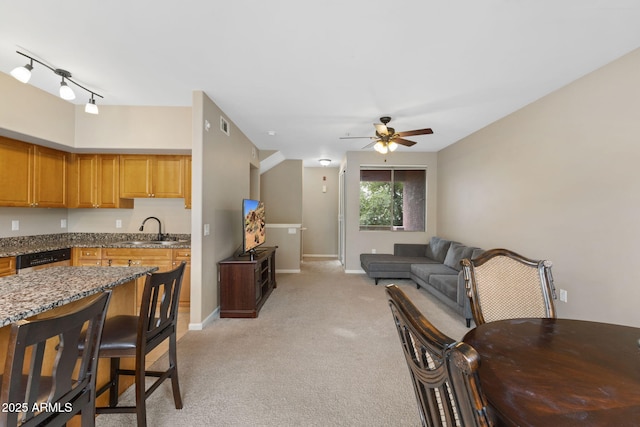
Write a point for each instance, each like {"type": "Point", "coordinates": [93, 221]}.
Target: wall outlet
{"type": "Point", "coordinates": [292, 230]}
{"type": "Point", "coordinates": [63, 223]}
{"type": "Point", "coordinates": [118, 223]}
{"type": "Point", "coordinates": [373, 251]}
{"type": "Point", "coordinates": [563, 295]}
{"type": "Point", "coordinates": [15, 225]}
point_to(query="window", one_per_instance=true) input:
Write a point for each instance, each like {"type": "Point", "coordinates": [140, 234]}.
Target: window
{"type": "Point", "coordinates": [393, 199]}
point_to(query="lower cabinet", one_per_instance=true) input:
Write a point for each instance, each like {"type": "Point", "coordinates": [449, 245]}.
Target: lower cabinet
{"type": "Point", "coordinates": [180, 255]}
{"type": "Point", "coordinates": [165, 259]}
{"type": "Point", "coordinates": [7, 266]}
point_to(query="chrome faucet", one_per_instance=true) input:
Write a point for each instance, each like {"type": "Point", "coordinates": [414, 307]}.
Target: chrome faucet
{"type": "Point", "coordinates": [159, 226]}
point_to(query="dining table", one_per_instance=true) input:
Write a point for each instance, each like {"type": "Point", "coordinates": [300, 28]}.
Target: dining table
{"type": "Point", "coordinates": [559, 372]}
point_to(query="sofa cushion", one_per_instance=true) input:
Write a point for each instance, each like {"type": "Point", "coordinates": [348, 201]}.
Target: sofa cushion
{"type": "Point", "coordinates": [437, 248]}
{"type": "Point", "coordinates": [456, 253]}
{"type": "Point", "coordinates": [424, 271]}
{"type": "Point", "coordinates": [445, 283]}
{"type": "Point", "coordinates": [476, 253]}
{"type": "Point", "coordinates": [389, 263]}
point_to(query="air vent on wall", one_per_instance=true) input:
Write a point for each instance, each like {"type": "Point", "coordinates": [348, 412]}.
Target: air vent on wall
{"type": "Point", "coordinates": [224, 125]}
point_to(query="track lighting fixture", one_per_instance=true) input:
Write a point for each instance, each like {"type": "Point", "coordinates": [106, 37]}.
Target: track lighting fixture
{"type": "Point", "coordinates": [23, 74]}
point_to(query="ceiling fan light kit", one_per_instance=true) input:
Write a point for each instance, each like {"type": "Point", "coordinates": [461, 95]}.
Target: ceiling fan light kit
{"type": "Point", "coordinates": [23, 74]}
{"type": "Point", "coordinates": [387, 139]}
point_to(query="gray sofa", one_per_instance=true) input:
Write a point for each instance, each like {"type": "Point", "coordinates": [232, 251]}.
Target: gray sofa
{"type": "Point", "coordinates": [434, 266]}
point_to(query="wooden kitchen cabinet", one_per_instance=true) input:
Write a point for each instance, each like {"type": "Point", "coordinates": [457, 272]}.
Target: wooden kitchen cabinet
{"type": "Point", "coordinates": [187, 182]}
{"type": "Point", "coordinates": [95, 182]}
{"type": "Point", "coordinates": [139, 257]}
{"type": "Point", "coordinates": [86, 257]}
{"type": "Point", "coordinates": [32, 176]}
{"type": "Point", "coordinates": [180, 255]}
{"type": "Point", "coordinates": [7, 266]}
{"type": "Point", "coordinates": [159, 176]}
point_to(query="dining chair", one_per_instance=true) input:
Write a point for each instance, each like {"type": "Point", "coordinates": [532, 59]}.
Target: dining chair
{"type": "Point", "coordinates": [129, 336]}
{"type": "Point", "coordinates": [502, 284]}
{"type": "Point", "coordinates": [36, 394]}
{"type": "Point", "coordinates": [443, 371]}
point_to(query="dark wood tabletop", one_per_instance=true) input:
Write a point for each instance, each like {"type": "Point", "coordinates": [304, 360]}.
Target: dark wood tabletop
{"type": "Point", "coordinates": [559, 372]}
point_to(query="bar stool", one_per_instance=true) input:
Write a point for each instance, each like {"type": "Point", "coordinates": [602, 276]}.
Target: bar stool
{"type": "Point", "coordinates": [53, 398]}
{"type": "Point", "coordinates": [135, 336]}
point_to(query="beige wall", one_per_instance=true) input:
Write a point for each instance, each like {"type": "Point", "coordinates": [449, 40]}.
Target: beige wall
{"type": "Point", "coordinates": [559, 180]}
{"type": "Point", "coordinates": [133, 128]}
{"type": "Point", "coordinates": [34, 115]}
{"type": "Point", "coordinates": [281, 192]}
{"type": "Point", "coordinates": [357, 241]}
{"type": "Point", "coordinates": [221, 179]}
{"type": "Point", "coordinates": [320, 212]}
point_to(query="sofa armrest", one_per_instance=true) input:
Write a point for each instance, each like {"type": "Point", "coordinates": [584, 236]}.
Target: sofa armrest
{"type": "Point", "coordinates": [409, 249]}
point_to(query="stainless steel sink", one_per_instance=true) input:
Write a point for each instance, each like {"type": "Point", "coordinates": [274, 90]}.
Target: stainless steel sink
{"type": "Point", "coordinates": [154, 242]}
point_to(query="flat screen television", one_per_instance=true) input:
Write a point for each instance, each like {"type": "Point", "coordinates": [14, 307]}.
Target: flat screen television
{"type": "Point", "coordinates": [253, 222]}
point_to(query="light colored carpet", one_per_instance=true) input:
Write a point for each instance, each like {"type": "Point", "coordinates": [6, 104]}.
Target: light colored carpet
{"type": "Point", "coordinates": [323, 352]}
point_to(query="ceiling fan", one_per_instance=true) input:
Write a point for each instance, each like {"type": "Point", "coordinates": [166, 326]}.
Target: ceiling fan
{"type": "Point", "coordinates": [387, 139]}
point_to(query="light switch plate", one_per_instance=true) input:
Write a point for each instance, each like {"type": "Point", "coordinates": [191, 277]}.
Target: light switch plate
{"type": "Point", "coordinates": [207, 229]}
{"type": "Point", "coordinates": [15, 225]}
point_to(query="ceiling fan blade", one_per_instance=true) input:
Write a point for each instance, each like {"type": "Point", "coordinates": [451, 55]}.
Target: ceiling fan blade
{"type": "Point", "coordinates": [369, 145]}
{"type": "Point", "coordinates": [356, 137]}
{"type": "Point", "coordinates": [381, 129]}
{"type": "Point", "coordinates": [404, 142]}
{"type": "Point", "coordinates": [416, 132]}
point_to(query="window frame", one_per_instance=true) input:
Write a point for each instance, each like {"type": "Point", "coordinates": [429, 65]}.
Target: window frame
{"type": "Point", "coordinates": [393, 169]}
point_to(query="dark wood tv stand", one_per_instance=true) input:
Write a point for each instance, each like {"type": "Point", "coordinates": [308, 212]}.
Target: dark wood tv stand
{"type": "Point", "coordinates": [246, 282]}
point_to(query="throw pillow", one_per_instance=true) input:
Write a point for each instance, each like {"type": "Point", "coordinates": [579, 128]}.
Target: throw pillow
{"type": "Point", "coordinates": [456, 253]}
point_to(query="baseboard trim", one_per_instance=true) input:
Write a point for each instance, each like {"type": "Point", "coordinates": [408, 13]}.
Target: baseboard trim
{"type": "Point", "coordinates": [215, 314]}
{"type": "Point", "coordinates": [355, 271]}
{"type": "Point", "coordinates": [288, 271]}
{"type": "Point", "coordinates": [320, 255]}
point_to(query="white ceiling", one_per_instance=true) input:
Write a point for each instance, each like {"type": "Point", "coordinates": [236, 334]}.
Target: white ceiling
{"type": "Point", "coordinates": [313, 72]}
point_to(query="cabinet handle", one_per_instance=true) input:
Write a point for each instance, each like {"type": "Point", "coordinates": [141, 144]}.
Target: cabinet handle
{"type": "Point", "coordinates": [129, 263]}
{"type": "Point", "coordinates": [109, 263]}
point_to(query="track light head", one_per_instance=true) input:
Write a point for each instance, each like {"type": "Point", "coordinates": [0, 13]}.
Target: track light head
{"type": "Point", "coordinates": [91, 106]}
{"type": "Point", "coordinates": [23, 74]}
{"type": "Point", "coordinates": [66, 92]}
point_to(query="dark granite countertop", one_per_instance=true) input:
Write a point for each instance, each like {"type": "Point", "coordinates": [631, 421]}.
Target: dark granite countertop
{"type": "Point", "coordinates": [28, 294]}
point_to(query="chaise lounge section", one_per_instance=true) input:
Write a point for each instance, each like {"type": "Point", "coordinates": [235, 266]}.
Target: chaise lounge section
{"type": "Point", "coordinates": [434, 266]}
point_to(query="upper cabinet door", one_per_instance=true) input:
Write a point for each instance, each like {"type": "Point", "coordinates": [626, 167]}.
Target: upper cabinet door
{"type": "Point", "coordinates": [50, 178]}
{"type": "Point", "coordinates": [16, 173]}
{"type": "Point", "coordinates": [135, 176]}
{"type": "Point", "coordinates": [83, 185]}
{"type": "Point", "coordinates": [108, 180]}
{"type": "Point", "coordinates": [187, 182]}
{"type": "Point", "coordinates": [168, 176]}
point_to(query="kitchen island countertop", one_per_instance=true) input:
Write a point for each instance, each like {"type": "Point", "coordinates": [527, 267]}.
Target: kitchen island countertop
{"type": "Point", "coordinates": [28, 294]}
